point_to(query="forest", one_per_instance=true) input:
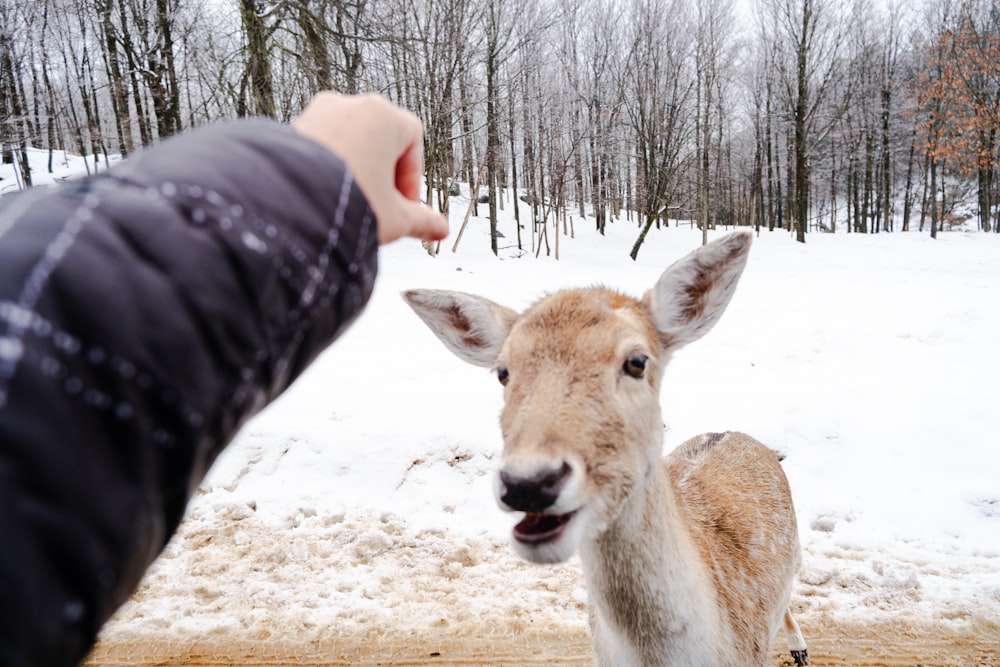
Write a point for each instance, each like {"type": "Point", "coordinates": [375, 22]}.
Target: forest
{"type": "Point", "coordinates": [807, 116]}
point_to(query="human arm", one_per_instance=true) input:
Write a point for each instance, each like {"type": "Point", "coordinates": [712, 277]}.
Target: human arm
{"type": "Point", "coordinates": [145, 314]}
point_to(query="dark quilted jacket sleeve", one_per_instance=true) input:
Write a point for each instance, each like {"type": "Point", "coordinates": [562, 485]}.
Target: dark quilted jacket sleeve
{"type": "Point", "coordinates": [145, 314]}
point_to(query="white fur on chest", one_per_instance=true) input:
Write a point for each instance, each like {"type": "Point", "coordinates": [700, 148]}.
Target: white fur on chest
{"type": "Point", "coordinates": [611, 648]}
{"type": "Point", "coordinates": [676, 602]}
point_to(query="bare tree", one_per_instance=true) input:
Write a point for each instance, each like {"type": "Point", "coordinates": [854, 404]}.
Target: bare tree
{"type": "Point", "coordinates": [506, 24]}
{"type": "Point", "coordinates": [714, 33]}
{"type": "Point", "coordinates": [13, 104]}
{"type": "Point", "coordinates": [257, 80]}
{"type": "Point", "coordinates": [660, 85]}
{"type": "Point", "coordinates": [441, 42]}
{"type": "Point", "coordinates": [931, 94]}
{"type": "Point", "coordinates": [808, 41]}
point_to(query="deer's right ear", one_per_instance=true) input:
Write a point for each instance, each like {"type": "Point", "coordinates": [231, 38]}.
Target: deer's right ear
{"type": "Point", "coordinates": [472, 327]}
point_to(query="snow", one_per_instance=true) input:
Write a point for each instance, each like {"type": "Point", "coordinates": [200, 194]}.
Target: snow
{"type": "Point", "coordinates": [363, 496]}
{"type": "Point", "coordinates": [65, 165]}
{"type": "Point", "coordinates": [867, 360]}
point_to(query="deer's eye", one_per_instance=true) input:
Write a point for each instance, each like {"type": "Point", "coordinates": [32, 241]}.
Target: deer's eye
{"type": "Point", "coordinates": [635, 366]}
{"type": "Point", "coordinates": [503, 375]}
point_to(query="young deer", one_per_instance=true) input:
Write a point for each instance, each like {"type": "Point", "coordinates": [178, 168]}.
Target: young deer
{"type": "Point", "coordinates": [688, 560]}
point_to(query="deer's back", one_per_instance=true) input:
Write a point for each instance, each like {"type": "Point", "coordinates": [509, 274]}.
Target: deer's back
{"type": "Point", "coordinates": [735, 497]}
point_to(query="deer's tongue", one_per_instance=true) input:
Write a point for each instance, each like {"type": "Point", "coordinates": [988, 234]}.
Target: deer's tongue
{"type": "Point", "coordinates": [537, 528]}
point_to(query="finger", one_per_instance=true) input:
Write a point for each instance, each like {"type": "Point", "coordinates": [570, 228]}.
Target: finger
{"type": "Point", "coordinates": [413, 219]}
{"type": "Point", "coordinates": [425, 223]}
{"type": "Point", "coordinates": [409, 171]}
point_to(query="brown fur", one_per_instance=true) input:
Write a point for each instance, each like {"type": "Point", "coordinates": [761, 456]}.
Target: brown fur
{"type": "Point", "coordinates": [738, 507]}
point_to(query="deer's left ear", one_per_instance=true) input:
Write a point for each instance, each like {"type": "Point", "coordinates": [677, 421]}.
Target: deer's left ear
{"type": "Point", "coordinates": [692, 293]}
{"type": "Point", "coordinates": [472, 327]}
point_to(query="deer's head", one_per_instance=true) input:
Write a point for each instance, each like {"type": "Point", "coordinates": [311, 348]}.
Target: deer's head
{"type": "Point", "coordinates": [581, 373]}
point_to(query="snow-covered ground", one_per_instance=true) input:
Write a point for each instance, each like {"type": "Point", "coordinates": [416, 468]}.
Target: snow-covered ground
{"type": "Point", "coordinates": [64, 165]}
{"type": "Point", "coordinates": [362, 498]}
{"type": "Point", "coordinates": [870, 361]}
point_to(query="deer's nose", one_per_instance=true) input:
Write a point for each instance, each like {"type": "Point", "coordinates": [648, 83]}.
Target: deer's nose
{"type": "Point", "coordinates": [533, 493]}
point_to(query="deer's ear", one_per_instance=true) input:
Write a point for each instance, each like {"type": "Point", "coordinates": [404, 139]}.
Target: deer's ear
{"type": "Point", "coordinates": [472, 327]}
{"type": "Point", "coordinates": [692, 293]}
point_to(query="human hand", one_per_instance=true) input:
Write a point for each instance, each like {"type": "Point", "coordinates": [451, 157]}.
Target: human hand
{"type": "Point", "coordinates": [383, 147]}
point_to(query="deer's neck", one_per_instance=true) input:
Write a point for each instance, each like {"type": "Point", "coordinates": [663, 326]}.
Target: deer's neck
{"type": "Point", "coordinates": [651, 593]}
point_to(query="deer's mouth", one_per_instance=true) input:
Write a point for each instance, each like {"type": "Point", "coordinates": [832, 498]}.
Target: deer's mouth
{"type": "Point", "coordinates": [537, 528]}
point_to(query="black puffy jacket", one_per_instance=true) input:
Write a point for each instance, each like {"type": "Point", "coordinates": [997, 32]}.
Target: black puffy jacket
{"type": "Point", "coordinates": [145, 314]}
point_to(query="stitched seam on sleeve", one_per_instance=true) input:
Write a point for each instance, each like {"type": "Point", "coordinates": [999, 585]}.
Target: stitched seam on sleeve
{"type": "Point", "coordinates": [12, 339]}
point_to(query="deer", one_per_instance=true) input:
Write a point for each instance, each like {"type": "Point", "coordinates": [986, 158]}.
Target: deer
{"type": "Point", "coordinates": [689, 559]}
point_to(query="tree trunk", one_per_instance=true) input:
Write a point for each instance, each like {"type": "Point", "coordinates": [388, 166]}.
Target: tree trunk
{"type": "Point", "coordinates": [866, 199]}
{"type": "Point", "coordinates": [258, 60]}
{"type": "Point", "coordinates": [581, 195]}
{"type": "Point", "coordinates": [769, 147]}
{"type": "Point", "coordinates": [50, 105]}
{"type": "Point", "coordinates": [924, 203]}
{"type": "Point", "coordinates": [908, 192]}
{"type": "Point", "coordinates": [596, 168]}
{"type": "Point", "coordinates": [77, 128]}
{"type": "Point", "coordinates": [529, 157]}
{"type": "Point", "coordinates": [933, 199]}
{"type": "Point", "coordinates": [169, 114]}
{"type": "Point", "coordinates": [119, 100]}
{"type": "Point", "coordinates": [128, 46]}
{"type": "Point", "coordinates": [801, 212]}
{"type": "Point", "coordinates": [15, 132]}
{"type": "Point", "coordinates": [833, 188]}
{"type": "Point", "coordinates": [984, 178]}
{"type": "Point", "coordinates": [468, 155]}
{"type": "Point", "coordinates": [800, 215]}
{"type": "Point", "coordinates": [706, 138]}
{"type": "Point", "coordinates": [81, 67]}
{"type": "Point", "coordinates": [886, 191]}
{"type": "Point", "coordinates": [492, 141]}
{"type": "Point", "coordinates": [349, 46]}
{"type": "Point", "coordinates": [513, 165]}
